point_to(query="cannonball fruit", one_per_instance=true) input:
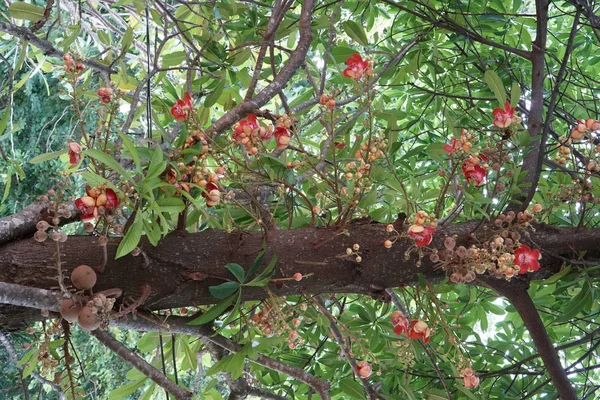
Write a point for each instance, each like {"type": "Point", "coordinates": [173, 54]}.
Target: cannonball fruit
{"type": "Point", "coordinates": [88, 319]}
{"type": "Point", "coordinates": [83, 277]}
{"type": "Point", "coordinates": [69, 310]}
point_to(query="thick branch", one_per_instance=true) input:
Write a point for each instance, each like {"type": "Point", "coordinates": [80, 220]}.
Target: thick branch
{"type": "Point", "coordinates": [141, 365]}
{"type": "Point", "coordinates": [47, 47]}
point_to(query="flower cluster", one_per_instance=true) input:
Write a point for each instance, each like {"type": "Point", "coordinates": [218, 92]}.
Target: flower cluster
{"type": "Point", "coordinates": [584, 128]}
{"type": "Point", "coordinates": [70, 64]}
{"type": "Point", "coordinates": [282, 133]}
{"type": "Point", "coordinates": [505, 117]}
{"type": "Point", "coordinates": [97, 202]}
{"type": "Point", "coordinates": [248, 132]}
{"type": "Point", "coordinates": [327, 101]}
{"type": "Point", "coordinates": [105, 94]}
{"type": "Point", "coordinates": [373, 149]}
{"type": "Point", "coordinates": [464, 144]}
{"type": "Point", "coordinates": [422, 230]}
{"type": "Point", "coordinates": [356, 67]}
{"type": "Point", "coordinates": [182, 108]}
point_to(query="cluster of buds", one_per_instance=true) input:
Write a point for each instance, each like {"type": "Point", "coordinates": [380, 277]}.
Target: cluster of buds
{"type": "Point", "coordinates": [249, 132]}
{"type": "Point", "coordinates": [105, 94]}
{"type": "Point", "coordinates": [564, 149]}
{"type": "Point", "coordinates": [475, 168]}
{"type": "Point", "coordinates": [294, 164]}
{"type": "Point", "coordinates": [584, 128]}
{"type": "Point", "coordinates": [353, 252]}
{"type": "Point", "coordinates": [208, 182]}
{"type": "Point", "coordinates": [70, 64]}
{"type": "Point", "coordinates": [99, 201]}
{"type": "Point", "coordinates": [57, 211]}
{"type": "Point", "coordinates": [522, 219]}
{"type": "Point", "coordinates": [470, 380]}
{"type": "Point", "coordinates": [423, 229]}
{"type": "Point", "coordinates": [464, 144]}
{"type": "Point", "coordinates": [462, 261]}
{"type": "Point", "coordinates": [327, 101]}
{"type": "Point", "coordinates": [48, 363]}
{"type": "Point", "coordinates": [360, 170]}
{"type": "Point", "coordinates": [282, 131]}
{"type": "Point", "coordinates": [95, 312]}
{"type": "Point", "coordinates": [373, 150]}
{"type": "Point", "coordinates": [195, 137]}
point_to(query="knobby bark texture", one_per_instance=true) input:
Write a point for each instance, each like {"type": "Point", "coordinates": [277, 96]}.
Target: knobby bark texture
{"type": "Point", "coordinates": [183, 266]}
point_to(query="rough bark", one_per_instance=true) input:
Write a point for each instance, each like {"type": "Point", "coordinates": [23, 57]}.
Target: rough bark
{"type": "Point", "coordinates": [182, 267]}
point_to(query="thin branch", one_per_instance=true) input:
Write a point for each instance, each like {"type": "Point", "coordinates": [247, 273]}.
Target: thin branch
{"type": "Point", "coordinates": [141, 365]}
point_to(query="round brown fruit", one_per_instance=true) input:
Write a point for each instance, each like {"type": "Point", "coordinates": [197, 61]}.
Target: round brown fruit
{"type": "Point", "coordinates": [83, 277]}
{"type": "Point", "coordinates": [69, 310]}
{"type": "Point", "coordinates": [88, 319]}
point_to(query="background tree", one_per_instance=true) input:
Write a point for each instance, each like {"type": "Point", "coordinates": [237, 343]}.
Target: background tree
{"type": "Point", "coordinates": [300, 200]}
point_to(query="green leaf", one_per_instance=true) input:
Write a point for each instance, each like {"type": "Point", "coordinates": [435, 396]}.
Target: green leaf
{"type": "Point", "coordinates": [157, 164]}
{"type": "Point", "coordinates": [356, 32]}
{"type": "Point", "coordinates": [108, 161]}
{"type": "Point", "coordinates": [212, 98]}
{"type": "Point", "coordinates": [29, 356]}
{"type": "Point", "coordinates": [47, 156]}
{"type": "Point", "coordinates": [492, 79]}
{"type": "Point", "coordinates": [265, 274]}
{"type": "Point", "coordinates": [237, 271]}
{"type": "Point", "coordinates": [258, 260]}
{"type": "Point", "coordinates": [171, 205]}
{"type": "Point", "coordinates": [557, 276]}
{"type": "Point", "coordinates": [126, 390]}
{"type": "Point", "coordinates": [4, 120]}
{"type": "Point", "coordinates": [224, 289]}
{"type": "Point", "coordinates": [515, 94]}
{"type": "Point", "coordinates": [214, 312]}
{"type": "Point", "coordinates": [132, 237]}
{"type": "Point", "coordinates": [26, 11]}
{"type": "Point", "coordinates": [352, 388]}
{"type": "Point", "coordinates": [130, 148]}
{"type": "Point", "coordinates": [576, 304]}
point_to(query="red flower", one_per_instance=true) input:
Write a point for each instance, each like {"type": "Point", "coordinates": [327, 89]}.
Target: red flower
{"type": "Point", "coordinates": [74, 153]}
{"type": "Point", "coordinates": [89, 204]}
{"type": "Point", "coordinates": [503, 118]}
{"type": "Point", "coordinates": [473, 172]}
{"type": "Point", "coordinates": [454, 146]}
{"type": "Point", "coordinates": [422, 235]}
{"type": "Point", "coordinates": [182, 108]}
{"type": "Point", "coordinates": [357, 66]}
{"type": "Point", "coordinates": [211, 194]}
{"type": "Point", "coordinates": [419, 330]}
{"type": "Point", "coordinates": [282, 136]}
{"type": "Point", "coordinates": [400, 322]}
{"type": "Point", "coordinates": [470, 380]}
{"type": "Point", "coordinates": [527, 259]}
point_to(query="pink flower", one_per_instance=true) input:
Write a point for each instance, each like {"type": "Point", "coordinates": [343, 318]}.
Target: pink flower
{"type": "Point", "coordinates": [470, 380]}
{"type": "Point", "coordinates": [357, 66]}
{"type": "Point", "coordinates": [419, 330]}
{"type": "Point", "coordinates": [74, 153]}
{"type": "Point", "coordinates": [400, 322]}
{"type": "Point", "coordinates": [363, 369]}
{"type": "Point", "coordinates": [211, 194]}
{"type": "Point", "coordinates": [422, 235]}
{"type": "Point", "coordinates": [527, 259]}
{"type": "Point", "coordinates": [282, 136]}
{"type": "Point", "coordinates": [182, 108]}
{"type": "Point", "coordinates": [503, 118]}
{"type": "Point", "coordinates": [473, 172]}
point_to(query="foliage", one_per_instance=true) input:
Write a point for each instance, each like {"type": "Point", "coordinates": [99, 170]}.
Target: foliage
{"type": "Point", "coordinates": [428, 109]}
